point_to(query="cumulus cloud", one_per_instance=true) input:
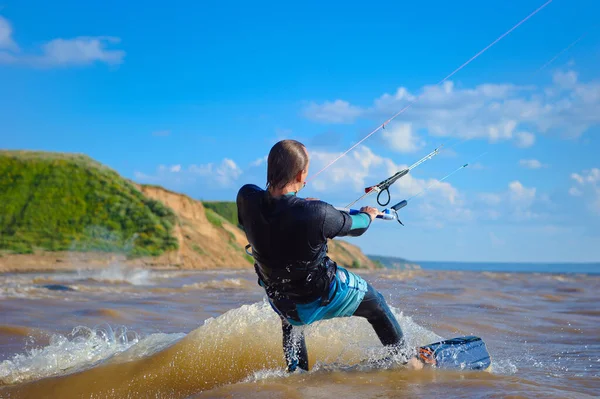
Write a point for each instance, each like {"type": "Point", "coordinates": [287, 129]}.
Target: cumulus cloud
{"type": "Point", "coordinates": [587, 186]}
{"type": "Point", "coordinates": [6, 40]}
{"type": "Point", "coordinates": [223, 174]}
{"type": "Point", "coordinates": [338, 111]}
{"type": "Point", "coordinates": [260, 161]}
{"type": "Point", "coordinates": [83, 50]}
{"type": "Point", "coordinates": [517, 203]}
{"type": "Point", "coordinates": [79, 51]}
{"type": "Point", "coordinates": [575, 192]}
{"type": "Point", "coordinates": [524, 139]}
{"type": "Point", "coordinates": [497, 112]}
{"type": "Point", "coordinates": [490, 198]}
{"type": "Point", "coordinates": [520, 195]}
{"type": "Point", "coordinates": [531, 164]}
{"type": "Point", "coordinates": [363, 168]}
{"type": "Point", "coordinates": [401, 138]}
{"type": "Point", "coordinates": [565, 80]}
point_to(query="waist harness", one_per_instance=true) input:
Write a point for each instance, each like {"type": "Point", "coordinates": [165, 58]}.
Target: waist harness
{"type": "Point", "coordinates": [296, 281]}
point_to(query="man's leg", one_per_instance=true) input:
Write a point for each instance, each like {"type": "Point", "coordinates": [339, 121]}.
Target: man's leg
{"type": "Point", "coordinates": [374, 308]}
{"type": "Point", "coordinates": [294, 347]}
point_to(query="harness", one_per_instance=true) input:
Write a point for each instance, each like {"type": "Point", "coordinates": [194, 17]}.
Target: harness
{"type": "Point", "coordinates": [297, 281]}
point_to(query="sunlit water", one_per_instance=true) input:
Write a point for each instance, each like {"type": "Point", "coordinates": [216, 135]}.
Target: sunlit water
{"type": "Point", "coordinates": [177, 334]}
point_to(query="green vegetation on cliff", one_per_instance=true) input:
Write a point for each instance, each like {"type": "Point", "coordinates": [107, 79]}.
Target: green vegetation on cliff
{"type": "Point", "coordinates": [59, 202]}
{"type": "Point", "coordinates": [226, 209]}
{"type": "Point", "coordinates": [391, 262]}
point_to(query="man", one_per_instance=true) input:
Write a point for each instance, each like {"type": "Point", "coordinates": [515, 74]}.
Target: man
{"type": "Point", "coordinates": [288, 236]}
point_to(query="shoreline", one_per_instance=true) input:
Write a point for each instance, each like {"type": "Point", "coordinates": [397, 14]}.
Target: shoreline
{"type": "Point", "coordinates": [72, 261]}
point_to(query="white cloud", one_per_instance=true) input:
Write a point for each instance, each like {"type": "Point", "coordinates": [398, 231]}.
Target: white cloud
{"type": "Point", "coordinates": [351, 170]}
{"type": "Point", "coordinates": [6, 58]}
{"type": "Point", "coordinates": [497, 112]}
{"type": "Point", "coordinates": [6, 41]}
{"type": "Point", "coordinates": [83, 50]}
{"type": "Point", "coordinates": [362, 168]}
{"type": "Point", "coordinates": [517, 203]}
{"type": "Point", "coordinates": [338, 111]}
{"type": "Point", "coordinates": [490, 198]}
{"type": "Point", "coordinates": [577, 177]}
{"type": "Point", "coordinates": [587, 187]}
{"type": "Point", "coordinates": [223, 174]}
{"type": "Point", "coordinates": [565, 80]}
{"type": "Point", "coordinates": [520, 195]}
{"type": "Point", "coordinates": [524, 139]}
{"type": "Point", "coordinates": [260, 161]}
{"type": "Point", "coordinates": [400, 137]}
{"type": "Point", "coordinates": [531, 164]}
{"type": "Point", "coordinates": [575, 192]}
{"type": "Point", "coordinates": [79, 51]}
{"type": "Point", "coordinates": [593, 176]}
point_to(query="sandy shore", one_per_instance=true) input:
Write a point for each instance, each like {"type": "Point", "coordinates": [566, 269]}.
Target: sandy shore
{"type": "Point", "coordinates": [60, 261]}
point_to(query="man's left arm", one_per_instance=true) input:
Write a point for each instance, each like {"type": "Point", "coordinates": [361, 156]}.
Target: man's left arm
{"type": "Point", "coordinates": [338, 223]}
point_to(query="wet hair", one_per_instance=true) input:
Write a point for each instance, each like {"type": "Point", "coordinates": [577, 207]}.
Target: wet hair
{"type": "Point", "coordinates": [286, 159]}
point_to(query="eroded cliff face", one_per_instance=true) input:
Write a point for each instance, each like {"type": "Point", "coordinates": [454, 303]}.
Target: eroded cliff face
{"type": "Point", "coordinates": [349, 255]}
{"type": "Point", "coordinates": [204, 243]}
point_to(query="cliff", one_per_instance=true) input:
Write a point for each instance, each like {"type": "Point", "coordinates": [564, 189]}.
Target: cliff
{"type": "Point", "coordinates": [62, 211]}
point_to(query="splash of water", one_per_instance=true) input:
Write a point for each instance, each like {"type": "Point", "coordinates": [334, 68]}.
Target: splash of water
{"type": "Point", "coordinates": [83, 348]}
{"type": "Point", "coordinates": [117, 273]}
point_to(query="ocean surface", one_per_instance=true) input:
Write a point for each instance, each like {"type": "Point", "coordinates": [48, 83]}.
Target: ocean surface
{"type": "Point", "coordinates": [589, 268]}
{"type": "Point", "coordinates": [132, 333]}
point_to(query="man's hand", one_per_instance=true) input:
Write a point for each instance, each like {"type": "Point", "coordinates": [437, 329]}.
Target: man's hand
{"type": "Point", "coordinates": [372, 212]}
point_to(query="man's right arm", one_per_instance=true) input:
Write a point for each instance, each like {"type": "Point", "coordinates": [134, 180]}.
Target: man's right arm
{"type": "Point", "coordinates": [243, 193]}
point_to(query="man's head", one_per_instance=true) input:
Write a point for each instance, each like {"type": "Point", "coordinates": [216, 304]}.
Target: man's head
{"type": "Point", "coordinates": [287, 165]}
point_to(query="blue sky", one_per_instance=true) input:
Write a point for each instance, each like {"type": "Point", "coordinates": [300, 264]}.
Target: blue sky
{"type": "Point", "coordinates": [192, 95]}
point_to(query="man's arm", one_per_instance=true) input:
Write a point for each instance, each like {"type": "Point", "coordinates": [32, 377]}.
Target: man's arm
{"type": "Point", "coordinates": [338, 223]}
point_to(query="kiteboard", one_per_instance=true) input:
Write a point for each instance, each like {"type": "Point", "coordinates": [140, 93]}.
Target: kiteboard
{"type": "Point", "coordinates": [462, 353]}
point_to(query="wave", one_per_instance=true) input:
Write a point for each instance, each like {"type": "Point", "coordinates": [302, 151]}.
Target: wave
{"type": "Point", "coordinates": [83, 348]}
{"type": "Point", "coordinates": [228, 283]}
{"type": "Point", "coordinates": [226, 349]}
{"type": "Point", "coordinates": [117, 274]}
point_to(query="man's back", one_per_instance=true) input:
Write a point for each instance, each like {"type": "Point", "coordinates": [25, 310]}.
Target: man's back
{"type": "Point", "coordinates": [287, 228]}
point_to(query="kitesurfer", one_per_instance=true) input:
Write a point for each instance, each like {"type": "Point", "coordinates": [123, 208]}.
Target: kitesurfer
{"type": "Point", "coordinates": [288, 236]}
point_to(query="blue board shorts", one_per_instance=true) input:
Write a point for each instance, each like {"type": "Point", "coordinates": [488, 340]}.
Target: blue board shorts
{"type": "Point", "coordinates": [346, 294]}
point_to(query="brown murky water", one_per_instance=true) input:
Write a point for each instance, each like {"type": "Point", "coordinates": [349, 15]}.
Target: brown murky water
{"type": "Point", "coordinates": [122, 333]}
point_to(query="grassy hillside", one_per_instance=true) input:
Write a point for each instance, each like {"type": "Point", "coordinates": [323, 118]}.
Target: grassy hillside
{"type": "Point", "coordinates": [390, 262]}
{"type": "Point", "coordinates": [59, 202]}
{"type": "Point", "coordinates": [226, 209]}
{"type": "Point", "coordinates": [52, 204]}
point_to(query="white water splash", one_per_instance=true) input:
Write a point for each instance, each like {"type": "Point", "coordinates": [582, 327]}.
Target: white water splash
{"type": "Point", "coordinates": [83, 348]}
{"type": "Point", "coordinates": [225, 284]}
{"type": "Point", "coordinates": [117, 273]}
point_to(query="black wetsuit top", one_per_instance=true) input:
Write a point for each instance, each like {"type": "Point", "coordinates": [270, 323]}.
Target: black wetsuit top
{"type": "Point", "coordinates": [289, 236]}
